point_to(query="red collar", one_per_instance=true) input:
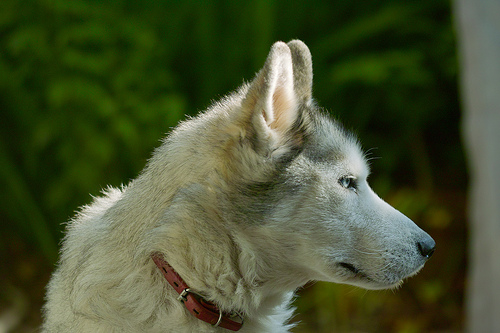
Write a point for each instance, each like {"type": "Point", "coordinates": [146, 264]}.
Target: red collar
{"type": "Point", "coordinates": [199, 307]}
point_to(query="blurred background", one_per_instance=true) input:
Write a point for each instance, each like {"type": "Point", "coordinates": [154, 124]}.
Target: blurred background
{"type": "Point", "coordinates": [88, 89]}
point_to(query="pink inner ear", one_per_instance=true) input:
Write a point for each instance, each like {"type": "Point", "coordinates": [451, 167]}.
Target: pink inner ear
{"type": "Point", "coordinates": [284, 107]}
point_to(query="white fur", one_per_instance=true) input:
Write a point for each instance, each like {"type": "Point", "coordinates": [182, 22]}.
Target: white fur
{"type": "Point", "coordinates": [244, 202]}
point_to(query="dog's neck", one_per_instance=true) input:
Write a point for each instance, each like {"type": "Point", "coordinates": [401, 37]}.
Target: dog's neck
{"type": "Point", "coordinates": [263, 301]}
{"type": "Point", "coordinates": [224, 265]}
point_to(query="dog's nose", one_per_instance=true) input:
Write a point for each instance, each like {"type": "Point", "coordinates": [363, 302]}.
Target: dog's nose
{"type": "Point", "coordinates": [426, 246]}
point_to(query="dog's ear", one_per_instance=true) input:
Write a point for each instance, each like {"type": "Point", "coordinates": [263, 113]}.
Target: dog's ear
{"type": "Point", "coordinates": [272, 103]}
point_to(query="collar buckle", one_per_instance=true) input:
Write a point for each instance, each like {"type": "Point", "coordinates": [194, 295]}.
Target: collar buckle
{"type": "Point", "coordinates": [195, 303]}
{"type": "Point", "coordinates": [183, 295]}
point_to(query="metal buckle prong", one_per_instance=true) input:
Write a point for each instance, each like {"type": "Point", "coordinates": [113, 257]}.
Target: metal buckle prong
{"type": "Point", "coordinates": [183, 295]}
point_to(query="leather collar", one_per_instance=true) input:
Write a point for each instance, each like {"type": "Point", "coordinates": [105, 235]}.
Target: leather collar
{"type": "Point", "coordinates": [196, 304]}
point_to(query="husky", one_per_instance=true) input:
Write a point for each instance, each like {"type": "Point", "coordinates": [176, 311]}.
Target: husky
{"type": "Point", "coordinates": [238, 208]}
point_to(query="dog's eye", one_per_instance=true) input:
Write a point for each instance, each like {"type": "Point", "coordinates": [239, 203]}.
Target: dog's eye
{"type": "Point", "coordinates": [348, 182]}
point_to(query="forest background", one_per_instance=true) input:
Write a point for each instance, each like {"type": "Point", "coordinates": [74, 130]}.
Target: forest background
{"type": "Point", "coordinates": [88, 89]}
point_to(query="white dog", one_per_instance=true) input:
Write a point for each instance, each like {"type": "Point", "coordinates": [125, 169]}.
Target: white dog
{"type": "Point", "coordinates": [237, 209]}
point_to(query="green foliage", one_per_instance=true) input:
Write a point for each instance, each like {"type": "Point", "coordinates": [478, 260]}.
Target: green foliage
{"type": "Point", "coordinates": [88, 88]}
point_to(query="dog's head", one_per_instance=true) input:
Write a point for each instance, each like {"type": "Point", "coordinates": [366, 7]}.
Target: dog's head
{"type": "Point", "coordinates": [290, 186]}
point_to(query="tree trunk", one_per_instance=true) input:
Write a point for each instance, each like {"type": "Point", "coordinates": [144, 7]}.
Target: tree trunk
{"type": "Point", "coordinates": [478, 28]}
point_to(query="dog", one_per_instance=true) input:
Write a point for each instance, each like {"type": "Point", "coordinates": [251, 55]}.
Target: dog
{"type": "Point", "coordinates": [238, 208]}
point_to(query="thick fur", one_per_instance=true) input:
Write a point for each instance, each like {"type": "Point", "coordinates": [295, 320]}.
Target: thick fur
{"type": "Point", "coordinates": [247, 202]}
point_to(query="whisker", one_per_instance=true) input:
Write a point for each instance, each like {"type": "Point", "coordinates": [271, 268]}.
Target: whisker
{"type": "Point", "coordinates": [369, 155]}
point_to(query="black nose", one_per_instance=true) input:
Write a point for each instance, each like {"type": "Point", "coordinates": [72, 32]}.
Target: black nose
{"type": "Point", "coordinates": [426, 246]}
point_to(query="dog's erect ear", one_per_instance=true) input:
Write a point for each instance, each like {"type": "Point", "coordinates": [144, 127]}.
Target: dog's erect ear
{"type": "Point", "coordinates": [274, 97]}
{"type": "Point", "coordinates": [271, 95]}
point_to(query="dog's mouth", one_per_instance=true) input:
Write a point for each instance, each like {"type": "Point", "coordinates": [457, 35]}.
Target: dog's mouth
{"type": "Point", "coordinates": [361, 279]}
{"type": "Point", "coordinates": [351, 268]}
